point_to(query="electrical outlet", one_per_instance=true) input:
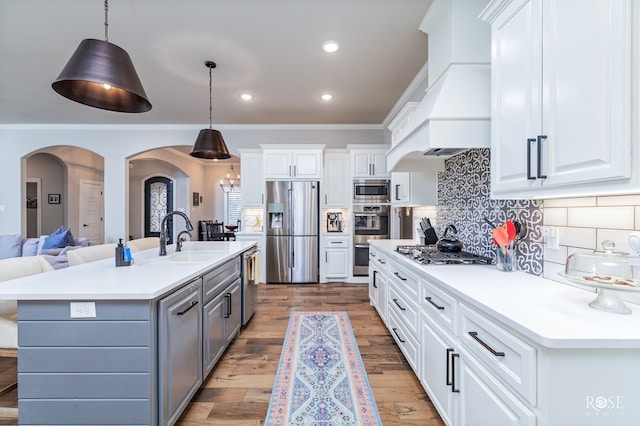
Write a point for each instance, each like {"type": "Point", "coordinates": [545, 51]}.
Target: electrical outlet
{"type": "Point", "coordinates": [553, 242]}
{"type": "Point", "coordinates": [82, 309]}
{"type": "Point", "coordinates": [548, 231]}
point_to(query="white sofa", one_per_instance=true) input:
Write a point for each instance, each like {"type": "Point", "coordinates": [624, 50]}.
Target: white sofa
{"type": "Point", "coordinates": [13, 245]}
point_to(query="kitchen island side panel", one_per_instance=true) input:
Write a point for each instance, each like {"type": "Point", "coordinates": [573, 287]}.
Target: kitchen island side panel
{"type": "Point", "coordinates": [84, 371]}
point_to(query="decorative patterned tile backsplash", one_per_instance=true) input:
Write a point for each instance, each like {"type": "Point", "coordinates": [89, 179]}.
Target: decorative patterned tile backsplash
{"type": "Point", "coordinates": [464, 200]}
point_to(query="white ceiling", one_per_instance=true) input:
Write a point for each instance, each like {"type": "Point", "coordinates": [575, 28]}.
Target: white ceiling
{"type": "Point", "coordinates": [270, 48]}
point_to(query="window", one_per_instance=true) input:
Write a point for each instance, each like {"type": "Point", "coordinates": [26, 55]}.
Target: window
{"type": "Point", "coordinates": [232, 210]}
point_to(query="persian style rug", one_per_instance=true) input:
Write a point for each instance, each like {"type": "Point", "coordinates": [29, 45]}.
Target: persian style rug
{"type": "Point", "coordinates": [321, 380]}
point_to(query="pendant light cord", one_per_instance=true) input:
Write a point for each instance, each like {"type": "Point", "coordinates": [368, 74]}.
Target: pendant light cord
{"type": "Point", "coordinates": [210, 103]}
{"type": "Point", "coordinates": [106, 20]}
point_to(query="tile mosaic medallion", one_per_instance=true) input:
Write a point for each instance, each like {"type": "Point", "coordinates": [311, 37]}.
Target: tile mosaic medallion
{"type": "Point", "coordinates": [464, 189]}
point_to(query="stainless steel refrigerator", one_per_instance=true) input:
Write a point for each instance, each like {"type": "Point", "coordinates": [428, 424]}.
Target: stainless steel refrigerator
{"type": "Point", "coordinates": [292, 232]}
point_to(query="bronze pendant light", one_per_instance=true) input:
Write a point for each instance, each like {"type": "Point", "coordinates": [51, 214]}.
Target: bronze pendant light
{"type": "Point", "coordinates": [101, 75]}
{"type": "Point", "coordinates": [209, 143]}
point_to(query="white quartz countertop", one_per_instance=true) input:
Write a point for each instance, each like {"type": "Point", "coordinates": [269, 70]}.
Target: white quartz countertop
{"type": "Point", "coordinates": [149, 277]}
{"type": "Point", "coordinates": [550, 313]}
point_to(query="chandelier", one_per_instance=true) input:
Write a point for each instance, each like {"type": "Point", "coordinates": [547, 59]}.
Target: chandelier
{"type": "Point", "coordinates": [230, 181]}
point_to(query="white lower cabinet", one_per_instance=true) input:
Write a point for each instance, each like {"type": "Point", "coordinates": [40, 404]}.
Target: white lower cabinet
{"type": "Point", "coordinates": [461, 387]}
{"type": "Point", "coordinates": [378, 286]}
{"type": "Point", "coordinates": [484, 400]}
{"type": "Point", "coordinates": [481, 368]}
{"type": "Point", "coordinates": [438, 346]}
{"type": "Point", "coordinates": [336, 258]}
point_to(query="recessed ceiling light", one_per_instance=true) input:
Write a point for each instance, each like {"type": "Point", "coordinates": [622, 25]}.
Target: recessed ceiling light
{"type": "Point", "coordinates": [327, 97]}
{"type": "Point", "coordinates": [246, 96]}
{"type": "Point", "coordinates": [330, 46]}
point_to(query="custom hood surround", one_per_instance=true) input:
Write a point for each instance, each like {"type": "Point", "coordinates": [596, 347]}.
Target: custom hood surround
{"type": "Point", "coordinates": [455, 113]}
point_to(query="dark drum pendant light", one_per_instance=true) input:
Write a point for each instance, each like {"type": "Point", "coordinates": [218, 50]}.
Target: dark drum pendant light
{"type": "Point", "coordinates": [101, 74]}
{"type": "Point", "coordinates": [209, 143]}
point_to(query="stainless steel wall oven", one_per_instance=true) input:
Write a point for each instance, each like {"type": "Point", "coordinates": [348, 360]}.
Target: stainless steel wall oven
{"type": "Point", "coordinates": [370, 222]}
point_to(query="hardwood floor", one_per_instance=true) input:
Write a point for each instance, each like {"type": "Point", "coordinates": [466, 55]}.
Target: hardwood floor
{"type": "Point", "coordinates": [238, 390]}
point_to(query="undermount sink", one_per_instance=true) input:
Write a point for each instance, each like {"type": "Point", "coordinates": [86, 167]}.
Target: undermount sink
{"type": "Point", "coordinates": [191, 256]}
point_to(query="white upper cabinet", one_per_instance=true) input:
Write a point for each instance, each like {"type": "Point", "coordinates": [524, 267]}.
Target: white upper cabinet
{"type": "Point", "coordinates": [561, 96]}
{"type": "Point", "coordinates": [337, 180]}
{"type": "Point", "coordinates": [251, 179]}
{"type": "Point", "coordinates": [292, 163]}
{"type": "Point", "coordinates": [414, 188]}
{"type": "Point", "coordinates": [369, 163]}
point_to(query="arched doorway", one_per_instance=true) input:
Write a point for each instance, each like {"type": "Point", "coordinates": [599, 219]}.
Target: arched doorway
{"type": "Point", "coordinates": [158, 201]}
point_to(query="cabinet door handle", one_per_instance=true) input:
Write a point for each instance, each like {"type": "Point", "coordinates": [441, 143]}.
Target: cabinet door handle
{"type": "Point", "coordinates": [474, 335]}
{"type": "Point", "coordinates": [399, 276]}
{"type": "Point", "coordinates": [326, 259]}
{"type": "Point", "coordinates": [191, 305]}
{"type": "Point", "coordinates": [230, 304]}
{"type": "Point", "coordinates": [227, 314]}
{"type": "Point", "coordinates": [396, 302]}
{"type": "Point", "coordinates": [397, 191]}
{"type": "Point", "coordinates": [395, 331]}
{"type": "Point", "coordinates": [453, 373]}
{"type": "Point", "coordinates": [375, 285]}
{"type": "Point", "coordinates": [428, 299]}
{"type": "Point", "coordinates": [539, 174]}
{"type": "Point", "coordinates": [325, 198]}
{"type": "Point", "coordinates": [373, 169]}
{"type": "Point", "coordinates": [449, 350]}
{"type": "Point", "coordinates": [529, 142]}
{"type": "Point", "coordinates": [261, 198]}
{"type": "Point", "coordinates": [295, 172]}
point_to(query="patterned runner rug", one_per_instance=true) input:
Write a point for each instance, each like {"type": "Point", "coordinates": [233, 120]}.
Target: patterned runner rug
{"type": "Point", "coordinates": [321, 380]}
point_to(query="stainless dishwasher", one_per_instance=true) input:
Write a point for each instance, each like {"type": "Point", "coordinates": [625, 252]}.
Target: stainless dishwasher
{"type": "Point", "coordinates": [250, 265]}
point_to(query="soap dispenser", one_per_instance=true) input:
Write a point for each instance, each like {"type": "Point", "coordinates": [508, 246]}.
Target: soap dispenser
{"type": "Point", "coordinates": [120, 255]}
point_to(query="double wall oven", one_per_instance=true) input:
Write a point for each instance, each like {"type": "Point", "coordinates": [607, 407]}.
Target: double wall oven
{"type": "Point", "coordinates": [371, 222]}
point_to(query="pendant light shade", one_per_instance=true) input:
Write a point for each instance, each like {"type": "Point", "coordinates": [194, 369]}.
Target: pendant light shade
{"type": "Point", "coordinates": [101, 74]}
{"type": "Point", "coordinates": [209, 143]}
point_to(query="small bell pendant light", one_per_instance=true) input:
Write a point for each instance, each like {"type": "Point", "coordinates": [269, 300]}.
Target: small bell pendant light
{"type": "Point", "coordinates": [101, 74]}
{"type": "Point", "coordinates": [209, 143]}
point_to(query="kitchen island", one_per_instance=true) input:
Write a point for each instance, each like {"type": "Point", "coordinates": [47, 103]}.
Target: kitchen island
{"type": "Point", "coordinates": [129, 345]}
{"type": "Point", "coordinates": [508, 346]}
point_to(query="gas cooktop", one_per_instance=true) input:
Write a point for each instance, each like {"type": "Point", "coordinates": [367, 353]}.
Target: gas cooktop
{"type": "Point", "coordinates": [430, 255]}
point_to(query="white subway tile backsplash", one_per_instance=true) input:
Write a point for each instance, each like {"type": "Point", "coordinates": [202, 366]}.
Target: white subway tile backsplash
{"type": "Point", "coordinates": [620, 238]}
{"type": "Point", "coordinates": [577, 237]}
{"type": "Point", "coordinates": [619, 200]}
{"type": "Point", "coordinates": [571, 202]}
{"type": "Point", "coordinates": [556, 256]}
{"type": "Point", "coordinates": [601, 217]}
{"type": "Point", "coordinates": [555, 216]}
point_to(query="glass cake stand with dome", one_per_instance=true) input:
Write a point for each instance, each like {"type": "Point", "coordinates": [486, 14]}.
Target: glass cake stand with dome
{"type": "Point", "coordinates": [609, 272]}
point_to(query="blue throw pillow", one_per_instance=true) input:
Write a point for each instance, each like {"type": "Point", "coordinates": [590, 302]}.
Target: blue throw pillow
{"type": "Point", "coordinates": [58, 240]}
{"type": "Point", "coordinates": [10, 246]}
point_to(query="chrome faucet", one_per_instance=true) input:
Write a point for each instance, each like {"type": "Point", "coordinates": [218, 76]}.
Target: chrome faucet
{"type": "Point", "coordinates": [164, 231]}
{"type": "Point", "coordinates": [180, 240]}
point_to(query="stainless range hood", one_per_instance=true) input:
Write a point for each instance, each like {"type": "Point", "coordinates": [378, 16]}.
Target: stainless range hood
{"type": "Point", "coordinates": [455, 113]}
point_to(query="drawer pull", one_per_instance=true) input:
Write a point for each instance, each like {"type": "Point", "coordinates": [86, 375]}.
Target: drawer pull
{"type": "Point", "coordinates": [449, 350]}
{"type": "Point", "coordinates": [191, 305]}
{"type": "Point", "coordinates": [428, 299]}
{"type": "Point", "coordinates": [453, 373]}
{"type": "Point", "coordinates": [474, 334]}
{"type": "Point", "coordinates": [382, 261]}
{"type": "Point", "coordinates": [396, 333]}
{"type": "Point", "coordinates": [396, 302]}
{"type": "Point", "coordinates": [399, 276]}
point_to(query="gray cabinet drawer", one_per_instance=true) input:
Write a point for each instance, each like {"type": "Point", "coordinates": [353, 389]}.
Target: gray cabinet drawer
{"type": "Point", "coordinates": [219, 278]}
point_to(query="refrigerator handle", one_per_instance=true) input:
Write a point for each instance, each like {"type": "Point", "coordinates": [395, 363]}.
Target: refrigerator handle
{"type": "Point", "coordinates": [291, 210]}
{"type": "Point", "coordinates": [293, 255]}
